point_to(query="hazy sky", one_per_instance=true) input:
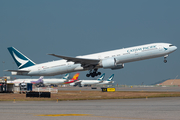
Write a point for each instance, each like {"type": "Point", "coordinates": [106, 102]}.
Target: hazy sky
{"type": "Point", "coordinates": [80, 27]}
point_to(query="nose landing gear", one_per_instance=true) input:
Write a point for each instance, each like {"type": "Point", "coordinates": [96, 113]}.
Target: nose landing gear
{"type": "Point", "coordinates": [165, 61]}
{"type": "Point", "coordinates": [93, 74]}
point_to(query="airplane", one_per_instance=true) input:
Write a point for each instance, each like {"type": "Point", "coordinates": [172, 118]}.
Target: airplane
{"type": "Point", "coordinates": [88, 82]}
{"type": "Point", "coordinates": [64, 80]}
{"type": "Point", "coordinates": [108, 81]}
{"type": "Point", "coordinates": [55, 80]}
{"type": "Point", "coordinates": [33, 81]}
{"type": "Point", "coordinates": [114, 59]}
{"type": "Point", "coordinates": [74, 79]}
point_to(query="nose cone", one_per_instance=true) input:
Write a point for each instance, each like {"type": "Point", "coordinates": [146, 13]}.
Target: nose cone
{"type": "Point", "coordinates": [172, 48]}
{"type": "Point", "coordinates": [175, 48]}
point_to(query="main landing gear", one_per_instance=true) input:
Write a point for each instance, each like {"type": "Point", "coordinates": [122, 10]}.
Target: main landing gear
{"type": "Point", "coordinates": [93, 74]}
{"type": "Point", "coordinates": [165, 61]}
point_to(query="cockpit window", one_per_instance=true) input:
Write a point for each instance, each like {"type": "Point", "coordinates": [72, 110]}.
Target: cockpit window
{"type": "Point", "coordinates": [170, 45]}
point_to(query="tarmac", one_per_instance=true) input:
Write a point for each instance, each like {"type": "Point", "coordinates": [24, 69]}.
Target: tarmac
{"type": "Point", "coordinates": [128, 88]}
{"type": "Point", "coordinates": [118, 109]}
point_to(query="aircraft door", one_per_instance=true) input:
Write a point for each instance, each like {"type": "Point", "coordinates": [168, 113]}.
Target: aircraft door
{"type": "Point", "coordinates": [160, 47]}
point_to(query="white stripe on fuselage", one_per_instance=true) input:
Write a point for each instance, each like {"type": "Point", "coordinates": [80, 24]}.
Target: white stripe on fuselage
{"type": "Point", "coordinates": [124, 55]}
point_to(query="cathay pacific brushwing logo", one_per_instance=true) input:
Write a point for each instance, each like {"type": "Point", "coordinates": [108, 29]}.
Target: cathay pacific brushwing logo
{"type": "Point", "coordinates": [21, 61]}
{"type": "Point", "coordinates": [101, 77]}
{"type": "Point", "coordinates": [66, 76]}
{"type": "Point", "coordinates": [165, 48]}
{"type": "Point", "coordinates": [111, 78]}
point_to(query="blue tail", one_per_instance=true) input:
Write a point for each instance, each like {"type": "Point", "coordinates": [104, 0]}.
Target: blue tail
{"type": "Point", "coordinates": [66, 76]}
{"type": "Point", "coordinates": [102, 77]}
{"type": "Point", "coordinates": [110, 78]}
{"type": "Point", "coordinates": [21, 60]}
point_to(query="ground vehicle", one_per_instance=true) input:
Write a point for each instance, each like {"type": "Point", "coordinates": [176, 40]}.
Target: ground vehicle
{"type": "Point", "coordinates": [23, 87]}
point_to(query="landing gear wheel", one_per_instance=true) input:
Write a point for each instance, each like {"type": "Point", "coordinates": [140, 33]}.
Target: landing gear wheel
{"type": "Point", "coordinates": [87, 75]}
{"type": "Point", "coordinates": [93, 74]}
{"type": "Point", "coordinates": [165, 61]}
{"type": "Point", "coordinates": [99, 73]}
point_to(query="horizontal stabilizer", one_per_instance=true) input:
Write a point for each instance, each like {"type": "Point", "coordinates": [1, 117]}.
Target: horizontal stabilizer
{"type": "Point", "coordinates": [17, 70]}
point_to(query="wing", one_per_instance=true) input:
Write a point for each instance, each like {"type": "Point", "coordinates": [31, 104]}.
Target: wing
{"type": "Point", "coordinates": [82, 61]}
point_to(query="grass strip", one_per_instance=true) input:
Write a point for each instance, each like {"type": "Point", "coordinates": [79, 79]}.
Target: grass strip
{"type": "Point", "coordinates": [89, 95]}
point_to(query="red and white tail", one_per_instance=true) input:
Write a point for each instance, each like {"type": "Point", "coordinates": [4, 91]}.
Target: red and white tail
{"type": "Point", "coordinates": [75, 77]}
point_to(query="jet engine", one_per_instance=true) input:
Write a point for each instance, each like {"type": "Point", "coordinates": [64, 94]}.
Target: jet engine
{"type": "Point", "coordinates": [119, 66]}
{"type": "Point", "coordinates": [111, 63]}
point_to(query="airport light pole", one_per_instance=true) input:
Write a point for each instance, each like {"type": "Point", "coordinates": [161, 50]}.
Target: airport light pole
{"type": "Point", "coordinates": [3, 66]}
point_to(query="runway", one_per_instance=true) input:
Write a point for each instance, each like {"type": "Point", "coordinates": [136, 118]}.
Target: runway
{"type": "Point", "coordinates": [119, 109]}
{"type": "Point", "coordinates": [141, 88]}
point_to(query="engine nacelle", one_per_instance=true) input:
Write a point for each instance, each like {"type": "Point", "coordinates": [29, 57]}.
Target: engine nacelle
{"type": "Point", "coordinates": [111, 64]}
{"type": "Point", "coordinates": [119, 66]}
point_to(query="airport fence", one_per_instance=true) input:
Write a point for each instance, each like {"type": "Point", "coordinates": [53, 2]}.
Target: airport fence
{"type": "Point", "coordinates": [40, 89]}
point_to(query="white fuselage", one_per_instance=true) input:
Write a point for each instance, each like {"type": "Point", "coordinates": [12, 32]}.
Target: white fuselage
{"type": "Point", "coordinates": [54, 81]}
{"type": "Point", "coordinates": [105, 82]}
{"type": "Point", "coordinates": [86, 82]}
{"type": "Point", "coordinates": [89, 82]}
{"type": "Point", "coordinates": [122, 56]}
{"type": "Point", "coordinates": [18, 81]}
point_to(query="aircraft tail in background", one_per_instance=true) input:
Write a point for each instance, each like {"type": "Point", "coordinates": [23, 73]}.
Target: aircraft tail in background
{"type": "Point", "coordinates": [66, 76]}
{"type": "Point", "coordinates": [110, 78]}
{"type": "Point", "coordinates": [40, 80]}
{"type": "Point", "coordinates": [75, 77]}
{"type": "Point", "coordinates": [101, 77]}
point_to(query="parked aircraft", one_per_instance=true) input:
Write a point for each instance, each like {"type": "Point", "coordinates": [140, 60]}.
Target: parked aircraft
{"type": "Point", "coordinates": [114, 60]}
{"type": "Point", "coordinates": [108, 81]}
{"type": "Point", "coordinates": [33, 81]}
{"type": "Point", "coordinates": [56, 81]}
{"type": "Point", "coordinates": [88, 82]}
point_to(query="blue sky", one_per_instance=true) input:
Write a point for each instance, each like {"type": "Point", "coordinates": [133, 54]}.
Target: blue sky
{"type": "Point", "coordinates": [81, 27]}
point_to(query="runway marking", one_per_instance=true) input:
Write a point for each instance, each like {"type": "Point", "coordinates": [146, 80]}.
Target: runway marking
{"type": "Point", "coordinates": [57, 115]}
{"type": "Point", "coordinates": [127, 118]}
